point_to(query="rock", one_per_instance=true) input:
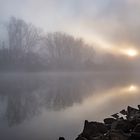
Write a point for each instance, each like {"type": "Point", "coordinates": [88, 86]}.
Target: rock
{"type": "Point", "coordinates": [109, 120]}
{"type": "Point", "coordinates": [122, 125]}
{"type": "Point", "coordinates": [131, 112]}
{"type": "Point", "coordinates": [117, 128]}
{"type": "Point", "coordinates": [137, 120]}
{"type": "Point", "coordinates": [80, 138]}
{"type": "Point", "coordinates": [93, 129]}
{"type": "Point", "coordinates": [117, 135]}
{"type": "Point", "coordinates": [100, 137]}
{"type": "Point", "coordinates": [135, 136]}
{"type": "Point", "coordinates": [139, 107]}
{"type": "Point", "coordinates": [131, 109]}
{"type": "Point", "coordinates": [136, 132]}
{"type": "Point", "coordinates": [116, 116]}
{"type": "Point", "coordinates": [123, 112]}
{"type": "Point", "coordinates": [61, 138]}
{"type": "Point", "coordinates": [137, 128]}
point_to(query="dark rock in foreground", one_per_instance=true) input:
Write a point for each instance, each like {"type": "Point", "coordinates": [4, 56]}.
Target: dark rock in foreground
{"type": "Point", "coordinates": [61, 138]}
{"type": "Point", "coordinates": [123, 126]}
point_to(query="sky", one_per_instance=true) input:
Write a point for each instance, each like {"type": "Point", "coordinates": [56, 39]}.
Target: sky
{"type": "Point", "coordinates": [110, 25]}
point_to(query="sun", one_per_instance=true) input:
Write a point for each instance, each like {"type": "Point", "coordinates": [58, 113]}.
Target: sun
{"type": "Point", "coordinates": [133, 88]}
{"type": "Point", "coordinates": [132, 52]}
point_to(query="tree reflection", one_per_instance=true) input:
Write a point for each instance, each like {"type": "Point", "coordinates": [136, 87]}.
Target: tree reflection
{"type": "Point", "coordinates": [20, 107]}
{"type": "Point", "coordinates": [26, 96]}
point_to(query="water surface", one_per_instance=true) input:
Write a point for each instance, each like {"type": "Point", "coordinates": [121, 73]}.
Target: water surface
{"type": "Point", "coordinates": [45, 106]}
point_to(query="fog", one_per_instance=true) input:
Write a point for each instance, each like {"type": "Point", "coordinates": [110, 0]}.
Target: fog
{"type": "Point", "coordinates": [27, 48]}
{"type": "Point", "coordinates": [46, 106]}
{"type": "Point", "coordinates": [115, 22]}
{"type": "Point", "coordinates": [63, 62]}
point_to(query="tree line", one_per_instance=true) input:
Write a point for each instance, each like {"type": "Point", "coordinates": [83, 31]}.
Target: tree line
{"type": "Point", "coordinates": [28, 48]}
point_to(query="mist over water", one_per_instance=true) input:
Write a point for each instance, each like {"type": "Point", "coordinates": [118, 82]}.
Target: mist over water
{"type": "Point", "coordinates": [51, 82]}
{"type": "Point", "coordinates": [66, 61]}
{"type": "Point", "coordinates": [49, 105]}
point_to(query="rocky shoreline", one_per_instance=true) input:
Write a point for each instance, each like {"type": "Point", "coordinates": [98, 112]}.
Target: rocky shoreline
{"type": "Point", "coordinates": [124, 125]}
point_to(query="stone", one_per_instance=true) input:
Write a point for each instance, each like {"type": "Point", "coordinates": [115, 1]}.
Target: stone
{"type": "Point", "coordinates": [80, 138]}
{"type": "Point", "coordinates": [100, 137]}
{"type": "Point", "coordinates": [116, 128]}
{"type": "Point", "coordinates": [136, 132]}
{"type": "Point", "coordinates": [137, 128]}
{"type": "Point", "coordinates": [109, 120]}
{"type": "Point", "coordinates": [131, 112]}
{"type": "Point", "coordinates": [93, 129]}
{"type": "Point", "coordinates": [139, 107]}
{"type": "Point", "coordinates": [117, 135]}
{"type": "Point", "coordinates": [123, 112]}
{"type": "Point", "coordinates": [135, 135]}
{"type": "Point", "coordinates": [116, 116]}
{"type": "Point", "coordinates": [122, 125]}
{"type": "Point", "coordinates": [61, 138]}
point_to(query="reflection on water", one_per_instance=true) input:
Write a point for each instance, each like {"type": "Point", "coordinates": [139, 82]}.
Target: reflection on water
{"type": "Point", "coordinates": [46, 106]}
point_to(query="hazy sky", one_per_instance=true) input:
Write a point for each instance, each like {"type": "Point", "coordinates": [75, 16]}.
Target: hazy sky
{"type": "Point", "coordinates": [110, 24]}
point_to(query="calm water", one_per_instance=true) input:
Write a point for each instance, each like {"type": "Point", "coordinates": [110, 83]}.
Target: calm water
{"type": "Point", "coordinates": [46, 106]}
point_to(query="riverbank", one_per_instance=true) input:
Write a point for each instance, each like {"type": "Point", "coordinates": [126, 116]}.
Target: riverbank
{"type": "Point", "coordinates": [124, 125]}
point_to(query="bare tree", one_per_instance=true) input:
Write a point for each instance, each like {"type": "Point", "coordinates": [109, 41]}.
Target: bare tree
{"type": "Point", "coordinates": [22, 36]}
{"type": "Point", "coordinates": [65, 51]}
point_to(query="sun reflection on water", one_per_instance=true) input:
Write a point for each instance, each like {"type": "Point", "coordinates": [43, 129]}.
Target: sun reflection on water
{"type": "Point", "coordinates": [107, 102]}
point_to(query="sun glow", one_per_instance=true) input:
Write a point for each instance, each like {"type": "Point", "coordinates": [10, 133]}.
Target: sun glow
{"type": "Point", "coordinates": [130, 89]}
{"type": "Point", "coordinates": [132, 52]}
{"type": "Point", "coordinates": [133, 88]}
{"type": "Point", "coordinates": [103, 45]}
